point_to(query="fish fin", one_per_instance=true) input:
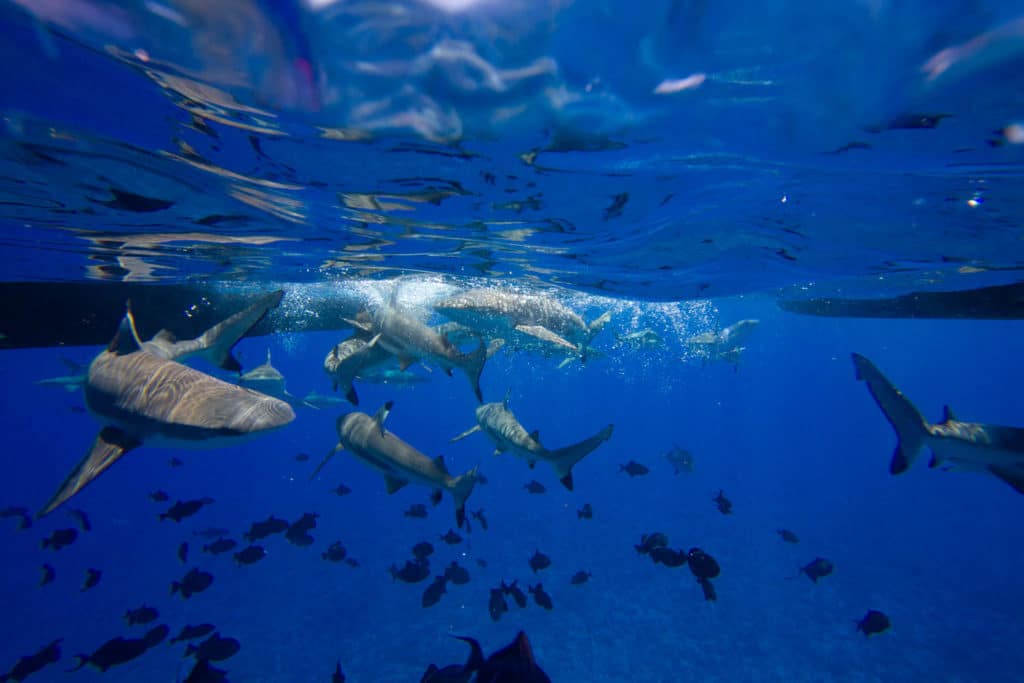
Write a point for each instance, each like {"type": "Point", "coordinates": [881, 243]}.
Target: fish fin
{"type": "Point", "coordinates": [373, 342]}
{"type": "Point", "coordinates": [405, 363]}
{"type": "Point", "coordinates": [126, 340]}
{"type": "Point", "coordinates": [598, 323]}
{"type": "Point", "coordinates": [494, 347]}
{"type": "Point", "coordinates": [563, 459]}
{"type": "Point", "coordinates": [476, 654]}
{"type": "Point", "coordinates": [217, 343]}
{"type": "Point", "coordinates": [472, 430]}
{"type": "Point", "coordinates": [911, 428]}
{"type": "Point", "coordinates": [1014, 476]}
{"type": "Point", "coordinates": [544, 334]}
{"type": "Point", "coordinates": [351, 396]}
{"type": "Point", "coordinates": [474, 367]}
{"type": "Point", "coordinates": [393, 483]}
{"type": "Point", "coordinates": [382, 415]}
{"type": "Point", "coordinates": [359, 324]}
{"type": "Point", "coordinates": [435, 497]}
{"type": "Point", "coordinates": [110, 444]}
{"type": "Point", "coordinates": [567, 480]}
{"type": "Point", "coordinates": [947, 415]}
{"type": "Point", "coordinates": [535, 435]}
{"type": "Point", "coordinates": [461, 488]}
{"type": "Point", "coordinates": [439, 461]}
{"type": "Point", "coordinates": [339, 447]}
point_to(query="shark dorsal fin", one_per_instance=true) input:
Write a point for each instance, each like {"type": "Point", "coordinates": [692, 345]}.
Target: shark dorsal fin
{"type": "Point", "coordinates": [127, 338]}
{"type": "Point", "coordinates": [439, 461]}
{"type": "Point", "coordinates": [947, 414]}
{"type": "Point", "coordinates": [382, 415]}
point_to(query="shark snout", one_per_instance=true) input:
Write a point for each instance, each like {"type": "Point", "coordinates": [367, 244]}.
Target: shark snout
{"type": "Point", "coordinates": [267, 413]}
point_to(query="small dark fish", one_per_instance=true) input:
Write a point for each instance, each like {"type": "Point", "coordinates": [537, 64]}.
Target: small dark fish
{"type": "Point", "coordinates": [212, 533]}
{"type": "Point", "coordinates": [141, 615]}
{"type": "Point", "coordinates": [123, 200]}
{"type": "Point", "coordinates": [183, 553]}
{"type": "Point", "coordinates": [335, 553]}
{"type": "Point", "coordinates": [342, 490]}
{"type": "Point", "coordinates": [351, 561]}
{"type": "Point", "coordinates": [49, 574]}
{"type": "Point", "coordinates": [92, 577]}
{"type": "Point", "coordinates": [649, 542]}
{"type": "Point", "coordinates": [302, 457]}
{"type": "Point", "coordinates": [515, 591]}
{"type": "Point", "coordinates": [668, 557]}
{"type": "Point", "coordinates": [221, 545]}
{"type": "Point", "coordinates": [512, 664]}
{"type": "Point", "coordinates": [703, 565]}
{"type": "Point", "coordinates": [709, 591]}
{"type": "Point", "coordinates": [634, 469]}
{"type": "Point", "coordinates": [175, 462]}
{"type": "Point", "coordinates": [298, 532]}
{"type": "Point", "coordinates": [413, 571]}
{"type": "Point", "coordinates": [260, 530]}
{"type": "Point", "coordinates": [25, 519]}
{"type": "Point", "coordinates": [842, 149]}
{"type": "Point", "coordinates": [432, 595]}
{"type": "Point", "coordinates": [788, 536]}
{"type": "Point", "coordinates": [61, 538]}
{"type": "Point", "coordinates": [723, 503]}
{"type": "Point", "coordinates": [34, 663]}
{"type": "Point", "coordinates": [614, 210]}
{"type": "Point", "coordinates": [204, 672]}
{"type": "Point", "coordinates": [435, 497]}
{"type": "Point", "coordinates": [580, 578]}
{"type": "Point", "coordinates": [159, 497]}
{"type": "Point", "coordinates": [534, 486]}
{"type": "Point", "coordinates": [338, 676]}
{"type": "Point", "coordinates": [481, 562]}
{"type": "Point", "coordinates": [912, 121]}
{"type": "Point", "coordinates": [497, 606]}
{"type": "Point", "coordinates": [481, 479]}
{"type": "Point", "coordinates": [195, 581]}
{"type": "Point", "coordinates": [82, 518]}
{"type": "Point", "coordinates": [818, 568]}
{"type": "Point", "coordinates": [479, 516]}
{"type": "Point", "coordinates": [585, 512]}
{"type": "Point", "coordinates": [451, 538]}
{"type": "Point", "coordinates": [122, 650]}
{"type": "Point", "coordinates": [422, 550]}
{"type": "Point", "coordinates": [417, 510]}
{"type": "Point", "coordinates": [183, 509]}
{"type": "Point", "coordinates": [192, 632]}
{"type": "Point", "coordinates": [539, 561]}
{"type": "Point", "coordinates": [250, 554]}
{"type": "Point", "coordinates": [215, 648]}
{"type": "Point", "coordinates": [457, 574]}
{"type": "Point", "coordinates": [541, 597]}
{"type": "Point", "coordinates": [874, 622]}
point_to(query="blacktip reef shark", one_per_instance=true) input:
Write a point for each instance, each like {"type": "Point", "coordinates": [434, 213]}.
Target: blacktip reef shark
{"type": "Point", "coordinates": [501, 426]}
{"type": "Point", "coordinates": [266, 379]}
{"type": "Point", "coordinates": [969, 446]}
{"type": "Point", "coordinates": [348, 358]}
{"type": "Point", "coordinates": [524, 321]}
{"type": "Point", "coordinates": [399, 462]}
{"type": "Point", "coordinates": [143, 394]}
{"type": "Point", "coordinates": [726, 344]}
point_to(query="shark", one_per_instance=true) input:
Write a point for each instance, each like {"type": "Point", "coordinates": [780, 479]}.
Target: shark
{"type": "Point", "coordinates": [350, 357]}
{"type": "Point", "coordinates": [524, 321]}
{"type": "Point", "coordinates": [969, 446]}
{"type": "Point", "coordinates": [268, 380]}
{"type": "Point", "coordinates": [370, 443]}
{"type": "Point", "coordinates": [499, 423]}
{"type": "Point", "coordinates": [726, 344]}
{"type": "Point", "coordinates": [143, 393]}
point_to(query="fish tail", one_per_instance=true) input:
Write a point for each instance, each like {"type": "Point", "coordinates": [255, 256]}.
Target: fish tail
{"type": "Point", "coordinates": [563, 459]}
{"type": "Point", "coordinates": [476, 654]}
{"type": "Point", "coordinates": [474, 367]}
{"type": "Point", "coordinates": [461, 488]}
{"type": "Point", "coordinates": [911, 427]}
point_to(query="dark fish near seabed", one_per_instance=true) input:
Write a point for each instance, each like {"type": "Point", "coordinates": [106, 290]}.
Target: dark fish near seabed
{"type": "Point", "coordinates": [122, 650]}
{"type": "Point", "coordinates": [413, 571]}
{"type": "Point", "coordinates": [585, 512]}
{"type": "Point", "coordinates": [221, 545]}
{"type": "Point", "coordinates": [479, 515]}
{"type": "Point", "coordinates": [649, 542]}
{"type": "Point", "coordinates": [703, 565]}
{"type": "Point", "coordinates": [271, 525]}
{"type": "Point", "coordinates": [534, 486]}
{"type": "Point", "coordinates": [515, 591]}
{"type": "Point", "coordinates": [141, 615]}
{"type": "Point", "coordinates": [874, 622]}
{"type": "Point", "coordinates": [580, 578]}
{"type": "Point", "coordinates": [818, 568]}
{"type": "Point", "coordinates": [456, 574]}
{"type": "Point", "coordinates": [335, 553]}
{"type": "Point", "coordinates": [159, 497]}
{"type": "Point", "coordinates": [195, 581]}
{"type": "Point", "coordinates": [723, 503]}
{"type": "Point", "coordinates": [216, 648]}
{"type": "Point", "coordinates": [451, 538]}
{"type": "Point", "coordinates": [192, 632]}
{"type": "Point", "coordinates": [34, 663]}
{"type": "Point", "coordinates": [204, 672]}
{"type": "Point", "coordinates": [497, 606]}
{"type": "Point", "coordinates": [183, 509]}
{"type": "Point", "coordinates": [417, 510]}
{"type": "Point", "coordinates": [634, 469]}
{"type": "Point", "coordinates": [541, 597]}
{"type": "Point", "coordinates": [250, 554]}
{"type": "Point", "coordinates": [183, 553]}
{"type": "Point", "coordinates": [82, 518]}
{"type": "Point", "coordinates": [92, 577]}
{"type": "Point", "coordinates": [302, 457]}
{"type": "Point", "coordinates": [539, 561]}
{"type": "Point", "coordinates": [25, 519]}
{"type": "Point", "coordinates": [432, 595]}
{"type": "Point", "coordinates": [341, 490]}
{"type": "Point", "coordinates": [422, 550]}
{"type": "Point", "coordinates": [61, 538]}
{"type": "Point", "coordinates": [298, 532]}
{"type": "Point", "coordinates": [668, 557]}
{"type": "Point", "coordinates": [49, 574]}
{"type": "Point", "coordinates": [788, 536]}
{"type": "Point", "coordinates": [681, 459]}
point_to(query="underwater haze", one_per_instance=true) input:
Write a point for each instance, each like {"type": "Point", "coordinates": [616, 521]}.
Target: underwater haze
{"type": "Point", "coordinates": [747, 275]}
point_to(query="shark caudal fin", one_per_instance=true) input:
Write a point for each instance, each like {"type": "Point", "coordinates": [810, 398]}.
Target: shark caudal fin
{"type": "Point", "coordinates": [911, 428]}
{"type": "Point", "coordinates": [563, 459]}
{"type": "Point", "coordinates": [110, 444]}
{"type": "Point", "coordinates": [217, 343]}
{"type": "Point", "coordinates": [474, 367]}
{"type": "Point", "coordinates": [460, 489]}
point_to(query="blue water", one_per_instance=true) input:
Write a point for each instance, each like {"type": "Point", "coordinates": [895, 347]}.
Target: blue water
{"type": "Point", "coordinates": [348, 152]}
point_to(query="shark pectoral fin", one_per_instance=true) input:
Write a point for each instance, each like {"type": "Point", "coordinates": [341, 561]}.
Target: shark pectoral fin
{"type": "Point", "coordinates": [393, 483]}
{"type": "Point", "coordinates": [350, 395]}
{"type": "Point", "coordinates": [382, 415]}
{"type": "Point", "coordinates": [359, 325]}
{"type": "Point", "coordinates": [339, 447]}
{"type": "Point", "coordinates": [567, 480]}
{"type": "Point", "coordinates": [110, 444]}
{"type": "Point", "coordinates": [404, 363]}
{"type": "Point", "coordinates": [461, 488]}
{"type": "Point", "coordinates": [472, 430]}
{"type": "Point", "coordinates": [373, 342]}
{"type": "Point", "coordinates": [1014, 476]}
{"type": "Point", "coordinates": [439, 461]}
{"type": "Point", "coordinates": [546, 335]}
{"type": "Point", "coordinates": [216, 343]}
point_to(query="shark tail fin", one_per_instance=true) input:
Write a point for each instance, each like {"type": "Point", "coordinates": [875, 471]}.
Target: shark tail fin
{"type": "Point", "coordinates": [461, 488]}
{"type": "Point", "coordinates": [218, 342]}
{"type": "Point", "coordinates": [110, 444]}
{"type": "Point", "coordinates": [474, 367]}
{"type": "Point", "coordinates": [563, 459]}
{"type": "Point", "coordinates": [911, 428]}
{"type": "Point", "coordinates": [476, 654]}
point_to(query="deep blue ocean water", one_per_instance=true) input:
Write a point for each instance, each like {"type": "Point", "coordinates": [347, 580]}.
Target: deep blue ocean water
{"type": "Point", "coordinates": [340, 149]}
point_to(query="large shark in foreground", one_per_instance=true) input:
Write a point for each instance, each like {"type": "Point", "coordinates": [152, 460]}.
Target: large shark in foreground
{"type": "Point", "coordinates": [143, 393]}
{"type": "Point", "coordinates": [501, 426]}
{"type": "Point", "coordinates": [399, 462]}
{"type": "Point", "coordinates": [965, 445]}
